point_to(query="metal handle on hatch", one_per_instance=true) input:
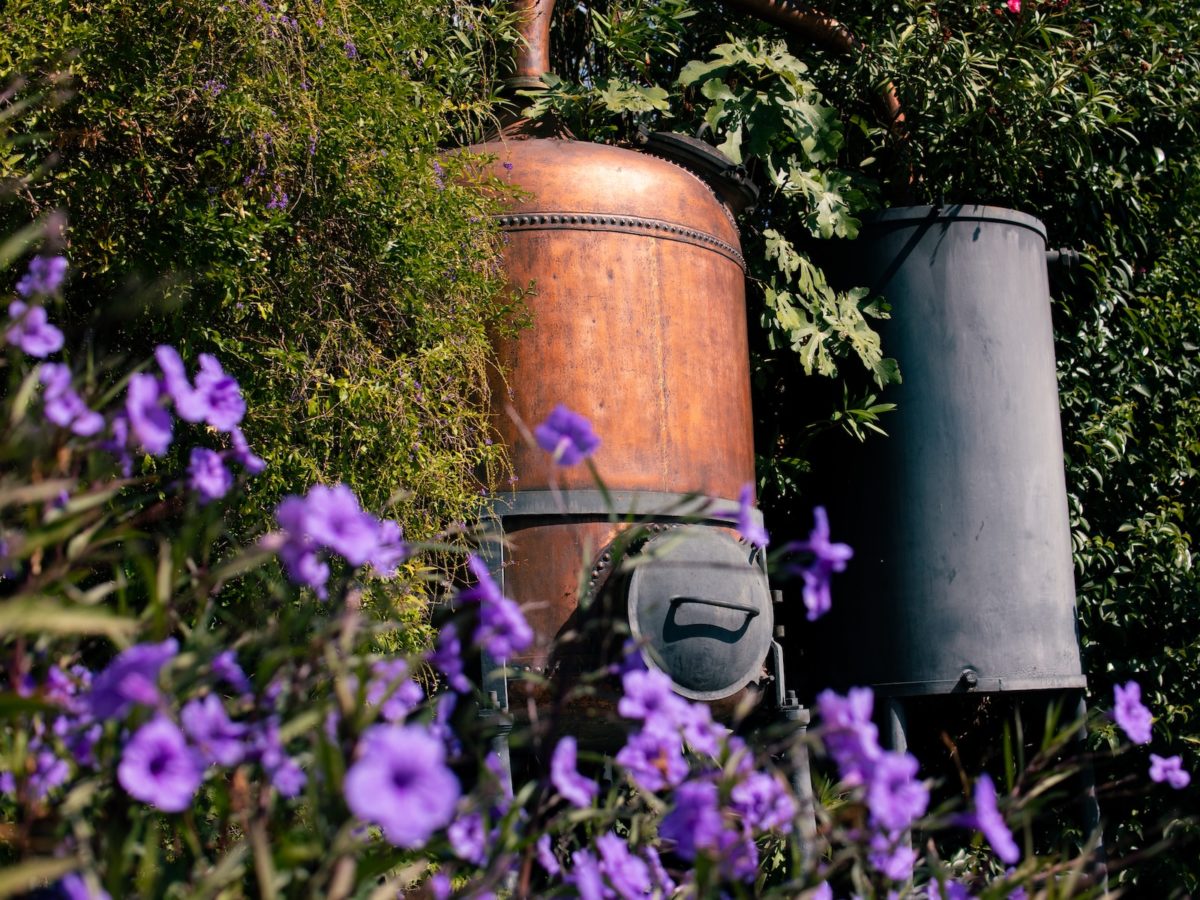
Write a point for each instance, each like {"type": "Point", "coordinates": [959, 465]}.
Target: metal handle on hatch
{"type": "Point", "coordinates": [750, 611]}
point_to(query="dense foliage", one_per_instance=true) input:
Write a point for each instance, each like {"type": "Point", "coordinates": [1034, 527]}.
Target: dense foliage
{"type": "Point", "coordinates": [266, 181]}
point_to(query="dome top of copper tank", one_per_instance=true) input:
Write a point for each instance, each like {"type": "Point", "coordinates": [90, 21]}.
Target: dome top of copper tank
{"type": "Point", "coordinates": [567, 177]}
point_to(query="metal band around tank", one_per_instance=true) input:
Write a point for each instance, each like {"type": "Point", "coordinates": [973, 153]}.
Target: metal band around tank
{"type": "Point", "coordinates": [592, 502]}
{"type": "Point", "coordinates": [570, 221]}
{"type": "Point", "coordinates": [984, 684]}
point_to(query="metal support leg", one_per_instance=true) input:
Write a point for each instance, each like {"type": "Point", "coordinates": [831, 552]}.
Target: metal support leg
{"type": "Point", "coordinates": [798, 717]}
{"type": "Point", "coordinates": [1088, 800]}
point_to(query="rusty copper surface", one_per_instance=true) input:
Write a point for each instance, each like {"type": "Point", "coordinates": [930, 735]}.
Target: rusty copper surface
{"type": "Point", "coordinates": [638, 319]}
{"type": "Point", "coordinates": [533, 54]}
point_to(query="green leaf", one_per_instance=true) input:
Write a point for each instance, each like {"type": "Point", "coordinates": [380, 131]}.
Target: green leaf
{"type": "Point", "coordinates": [41, 614]}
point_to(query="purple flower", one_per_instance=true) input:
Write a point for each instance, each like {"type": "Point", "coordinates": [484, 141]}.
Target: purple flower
{"type": "Point", "coordinates": [304, 567]}
{"type": "Point", "coordinates": [130, 678]}
{"type": "Point", "coordinates": [158, 768]}
{"type": "Point", "coordinates": [207, 475]}
{"type": "Point", "coordinates": [279, 198]}
{"type": "Point", "coordinates": [1131, 715]}
{"type": "Point", "coordinates": [118, 443]}
{"type": "Point", "coordinates": [545, 855]}
{"type": "Point", "coordinates": [508, 167]}
{"type": "Point", "coordinates": [628, 874]}
{"type": "Point", "coordinates": [954, 890]}
{"type": "Point", "coordinates": [286, 777]}
{"type": "Point", "coordinates": [400, 782]}
{"type": "Point", "coordinates": [243, 455]}
{"type": "Point", "coordinates": [892, 854]}
{"type": "Point", "coordinates": [694, 823]}
{"type": "Point", "coordinates": [447, 657]}
{"type": "Point", "coordinates": [894, 796]}
{"type": "Point", "coordinates": [468, 838]}
{"type": "Point", "coordinates": [502, 629]}
{"type": "Point", "coordinates": [567, 435]}
{"type": "Point", "coordinates": [219, 741]}
{"type": "Point", "coordinates": [225, 667]}
{"type": "Point", "coordinates": [350, 50]}
{"type": "Point", "coordinates": [763, 802]}
{"type": "Point", "coordinates": [648, 696]}
{"type": "Point", "coordinates": [575, 788]}
{"type": "Point", "coordinates": [849, 734]}
{"type": "Point", "coordinates": [1169, 769]}
{"type": "Point", "coordinates": [391, 687]}
{"type": "Point", "coordinates": [151, 423]}
{"type": "Point", "coordinates": [215, 399]}
{"type": "Point", "coordinates": [32, 331]}
{"type": "Point", "coordinates": [333, 518]}
{"type": "Point", "coordinates": [74, 887]}
{"type": "Point", "coordinates": [390, 549]}
{"type": "Point", "coordinates": [822, 892]}
{"type": "Point", "coordinates": [49, 772]}
{"type": "Point", "coordinates": [827, 558]}
{"type": "Point", "coordinates": [987, 819]}
{"type": "Point", "coordinates": [745, 519]}
{"type": "Point", "coordinates": [64, 407]}
{"type": "Point", "coordinates": [585, 876]}
{"type": "Point", "coordinates": [44, 276]}
{"type": "Point", "coordinates": [654, 759]}
{"type": "Point", "coordinates": [661, 878]}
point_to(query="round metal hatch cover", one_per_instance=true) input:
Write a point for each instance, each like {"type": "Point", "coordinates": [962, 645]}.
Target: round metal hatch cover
{"type": "Point", "coordinates": [703, 610]}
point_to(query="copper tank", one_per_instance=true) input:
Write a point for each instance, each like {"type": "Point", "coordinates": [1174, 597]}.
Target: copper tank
{"type": "Point", "coordinates": [638, 323]}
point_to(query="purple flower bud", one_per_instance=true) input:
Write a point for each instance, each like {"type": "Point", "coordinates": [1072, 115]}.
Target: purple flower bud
{"type": "Point", "coordinates": [545, 856]}
{"type": "Point", "coordinates": [243, 454]}
{"type": "Point", "coordinates": [567, 435]}
{"type": "Point", "coordinates": [1134, 718]}
{"type": "Point", "coordinates": [225, 667]}
{"type": "Point", "coordinates": [151, 423]}
{"type": "Point", "coordinates": [45, 276]}
{"type": "Point", "coordinates": [32, 331]}
{"type": "Point", "coordinates": [827, 558]}
{"type": "Point", "coordinates": [1169, 769]}
{"type": "Point", "coordinates": [207, 475]}
{"type": "Point", "coordinates": [447, 658]}
{"type": "Point", "coordinates": [575, 788]}
{"type": "Point", "coordinates": [219, 740]}
{"type": "Point", "coordinates": [130, 678]}
{"type": "Point", "coordinates": [468, 838]}
{"type": "Point", "coordinates": [64, 407]}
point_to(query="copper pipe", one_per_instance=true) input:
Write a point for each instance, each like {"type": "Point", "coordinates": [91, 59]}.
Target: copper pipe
{"type": "Point", "coordinates": [824, 31]}
{"type": "Point", "coordinates": [533, 53]}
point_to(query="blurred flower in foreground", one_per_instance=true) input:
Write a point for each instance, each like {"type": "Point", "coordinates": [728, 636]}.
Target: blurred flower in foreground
{"type": "Point", "coordinates": [575, 788]}
{"type": "Point", "coordinates": [45, 276]}
{"type": "Point", "coordinates": [159, 768]}
{"type": "Point", "coordinates": [1133, 717]}
{"type": "Point", "coordinates": [31, 330]}
{"type": "Point", "coordinates": [987, 819]}
{"type": "Point", "coordinates": [746, 520]}
{"type": "Point", "coordinates": [567, 435]}
{"type": "Point", "coordinates": [1169, 769]}
{"type": "Point", "coordinates": [401, 783]}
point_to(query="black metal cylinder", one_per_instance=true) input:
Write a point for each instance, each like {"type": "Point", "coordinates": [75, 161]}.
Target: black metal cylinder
{"type": "Point", "coordinates": [962, 578]}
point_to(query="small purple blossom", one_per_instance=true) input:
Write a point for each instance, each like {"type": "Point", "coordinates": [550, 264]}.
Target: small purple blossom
{"type": "Point", "coordinates": [1134, 718]}
{"type": "Point", "coordinates": [400, 782]}
{"type": "Point", "coordinates": [892, 854]}
{"type": "Point", "coordinates": [567, 435]}
{"type": "Point", "coordinates": [628, 874]}
{"type": "Point", "coordinates": [333, 518]}
{"type": "Point", "coordinates": [350, 50]}
{"type": "Point", "coordinates": [64, 407]}
{"type": "Point", "coordinates": [207, 475]}
{"type": "Point", "coordinates": [286, 777]}
{"type": "Point", "coordinates": [279, 198]}
{"type": "Point", "coordinates": [130, 678]}
{"type": "Point", "coordinates": [225, 667]}
{"type": "Point", "coordinates": [31, 330]}
{"type": "Point", "coordinates": [502, 629]}
{"type": "Point", "coordinates": [158, 768]}
{"type": "Point", "coordinates": [44, 276]}
{"type": "Point", "coordinates": [763, 802]}
{"type": "Point", "coordinates": [508, 166]}
{"type": "Point", "coordinates": [151, 424]}
{"type": "Point", "coordinates": [894, 795]}
{"type": "Point", "coordinates": [243, 455]}
{"type": "Point", "coordinates": [75, 887]}
{"type": "Point", "coordinates": [392, 690]}
{"type": "Point", "coordinates": [745, 519]}
{"type": "Point", "coordinates": [585, 876]}
{"type": "Point", "coordinates": [1169, 769]}
{"type": "Point", "coordinates": [850, 736]}
{"type": "Point", "coordinates": [827, 558]}
{"type": "Point", "coordinates": [468, 838]}
{"type": "Point", "coordinates": [648, 696]}
{"type": "Point", "coordinates": [447, 658]}
{"type": "Point", "coordinates": [545, 856]}
{"type": "Point", "coordinates": [987, 819]}
{"type": "Point", "coordinates": [218, 740]}
{"type": "Point", "coordinates": [215, 399]}
{"type": "Point", "coordinates": [574, 788]}
{"type": "Point", "coordinates": [214, 87]}
{"type": "Point", "coordinates": [653, 758]}
{"type": "Point", "coordinates": [694, 823]}
{"type": "Point", "coordinates": [390, 549]}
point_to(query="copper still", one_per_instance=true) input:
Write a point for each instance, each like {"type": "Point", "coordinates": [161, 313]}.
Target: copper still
{"type": "Point", "coordinates": [638, 323]}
